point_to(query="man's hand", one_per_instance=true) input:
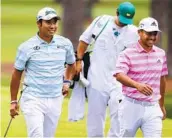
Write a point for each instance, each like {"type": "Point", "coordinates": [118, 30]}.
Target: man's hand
{"type": "Point", "coordinates": [164, 112]}
{"type": "Point", "coordinates": [78, 67]}
{"type": "Point", "coordinates": [14, 109]}
{"type": "Point", "coordinates": [144, 88]}
{"type": "Point", "coordinates": [65, 89]}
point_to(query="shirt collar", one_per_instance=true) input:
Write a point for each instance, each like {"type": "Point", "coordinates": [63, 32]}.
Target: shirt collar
{"type": "Point", "coordinates": [140, 48]}
{"type": "Point", "coordinates": [44, 42]}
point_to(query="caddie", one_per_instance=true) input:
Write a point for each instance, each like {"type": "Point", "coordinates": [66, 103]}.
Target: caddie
{"type": "Point", "coordinates": [110, 35]}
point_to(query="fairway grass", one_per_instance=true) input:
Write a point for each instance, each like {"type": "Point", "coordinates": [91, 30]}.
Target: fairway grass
{"type": "Point", "coordinates": [65, 128]}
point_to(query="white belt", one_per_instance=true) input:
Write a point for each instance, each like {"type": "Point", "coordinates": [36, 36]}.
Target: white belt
{"type": "Point", "coordinates": [144, 103]}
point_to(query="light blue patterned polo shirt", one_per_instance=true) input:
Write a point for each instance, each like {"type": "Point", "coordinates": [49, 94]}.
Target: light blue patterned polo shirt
{"type": "Point", "coordinates": [44, 64]}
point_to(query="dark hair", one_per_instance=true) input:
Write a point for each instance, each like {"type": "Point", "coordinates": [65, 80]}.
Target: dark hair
{"type": "Point", "coordinates": [40, 21]}
{"type": "Point", "coordinates": [56, 19]}
{"type": "Point", "coordinates": [117, 12]}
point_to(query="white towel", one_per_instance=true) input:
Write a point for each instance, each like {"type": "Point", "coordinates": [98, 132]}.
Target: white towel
{"type": "Point", "coordinates": [84, 81]}
{"type": "Point", "coordinates": [76, 107]}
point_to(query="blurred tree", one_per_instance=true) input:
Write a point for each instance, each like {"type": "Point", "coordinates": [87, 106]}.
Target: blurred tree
{"type": "Point", "coordinates": [75, 13]}
{"type": "Point", "coordinates": [88, 9]}
{"type": "Point", "coordinates": [58, 1]}
{"type": "Point", "coordinates": [169, 51]}
{"type": "Point", "coordinates": [73, 19]}
{"type": "Point", "coordinates": [159, 12]}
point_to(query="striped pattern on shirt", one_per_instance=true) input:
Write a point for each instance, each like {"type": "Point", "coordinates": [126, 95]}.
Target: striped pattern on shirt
{"type": "Point", "coordinates": [43, 64]}
{"type": "Point", "coordinates": [144, 67]}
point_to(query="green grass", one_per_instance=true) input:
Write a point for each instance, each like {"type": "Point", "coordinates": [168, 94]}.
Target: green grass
{"type": "Point", "coordinates": [65, 128]}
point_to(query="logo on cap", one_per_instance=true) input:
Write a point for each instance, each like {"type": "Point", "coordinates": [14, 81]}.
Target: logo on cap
{"type": "Point", "coordinates": [153, 24]}
{"type": "Point", "coordinates": [128, 15]}
{"type": "Point", "coordinates": [49, 12]}
{"type": "Point", "coordinates": [141, 25]}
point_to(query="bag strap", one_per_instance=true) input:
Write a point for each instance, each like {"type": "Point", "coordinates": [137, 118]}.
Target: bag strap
{"type": "Point", "coordinates": [91, 45]}
{"type": "Point", "coordinates": [102, 29]}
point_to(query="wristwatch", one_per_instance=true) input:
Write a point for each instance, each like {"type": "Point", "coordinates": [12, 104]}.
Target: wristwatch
{"type": "Point", "coordinates": [78, 59]}
{"type": "Point", "coordinates": [67, 82]}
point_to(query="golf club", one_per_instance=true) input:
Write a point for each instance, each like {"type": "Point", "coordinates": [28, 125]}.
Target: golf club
{"type": "Point", "coordinates": [11, 117]}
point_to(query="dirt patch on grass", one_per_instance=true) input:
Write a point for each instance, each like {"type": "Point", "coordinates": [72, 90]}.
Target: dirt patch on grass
{"type": "Point", "coordinates": [7, 69]}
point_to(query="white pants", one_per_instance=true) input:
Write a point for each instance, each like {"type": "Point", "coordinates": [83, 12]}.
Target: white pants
{"type": "Point", "coordinates": [41, 115]}
{"type": "Point", "coordinates": [76, 108]}
{"type": "Point", "coordinates": [136, 114]}
{"type": "Point", "coordinates": [97, 104]}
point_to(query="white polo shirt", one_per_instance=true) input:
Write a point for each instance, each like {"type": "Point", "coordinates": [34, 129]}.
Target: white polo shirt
{"type": "Point", "coordinates": [107, 47]}
{"type": "Point", "coordinates": [44, 64]}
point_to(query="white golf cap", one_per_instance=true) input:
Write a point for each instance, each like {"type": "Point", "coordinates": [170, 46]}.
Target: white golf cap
{"type": "Point", "coordinates": [47, 14]}
{"type": "Point", "coordinates": [149, 24]}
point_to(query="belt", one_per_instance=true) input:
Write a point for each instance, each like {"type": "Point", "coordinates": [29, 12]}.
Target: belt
{"type": "Point", "coordinates": [144, 103]}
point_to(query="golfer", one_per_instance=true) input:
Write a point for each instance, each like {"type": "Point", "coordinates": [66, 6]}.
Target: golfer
{"type": "Point", "coordinates": [142, 70]}
{"type": "Point", "coordinates": [42, 58]}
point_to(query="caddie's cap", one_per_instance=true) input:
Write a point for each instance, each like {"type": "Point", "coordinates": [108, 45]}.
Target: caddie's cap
{"type": "Point", "coordinates": [126, 12]}
{"type": "Point", "coordinates": [149, 24]}
{"type": "Point", "coordinates": [47, 13]}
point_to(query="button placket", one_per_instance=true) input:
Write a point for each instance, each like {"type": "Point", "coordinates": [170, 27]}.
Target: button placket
{"type": "Point", "coordinates": [48, 49]}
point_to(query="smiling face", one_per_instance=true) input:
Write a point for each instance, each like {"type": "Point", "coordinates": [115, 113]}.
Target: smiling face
{"type": "Point", "coordinates": [47, 28]}
{"type": "Point", "coordinates": [148, 39]}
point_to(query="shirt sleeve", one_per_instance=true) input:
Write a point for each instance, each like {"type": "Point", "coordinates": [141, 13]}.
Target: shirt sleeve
{"type": "Point", "coordinates": [21, 59]}
{"type": "Point", "coordinates": [87, 34]}
{"type": "Point", "coordinates": [164, 67]}
{"type": "Point", "coordinates": [70, 55]}
{"type": "Point", "coordinates": [123, 63]}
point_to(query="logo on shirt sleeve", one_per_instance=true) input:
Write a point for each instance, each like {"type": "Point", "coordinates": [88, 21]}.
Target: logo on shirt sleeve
{"type": "Point", "coordinates": [159, 60]}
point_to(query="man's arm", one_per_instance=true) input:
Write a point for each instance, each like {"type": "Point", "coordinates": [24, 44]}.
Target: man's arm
{"type": "Point", "coordinates": [82, 47]}
{"type": "Point", "coordinates": [162, 92]}
{"type": "Point", "coordinates": [85, 40]}
{"type": "Point", "coordinates": [15, 83]}
{"type": "Point", "coordinates": [127, 81]}
{"type": "Point", "coordinates": [14, 87]}
{"type": "Point", "coordinates": [70, 72]}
